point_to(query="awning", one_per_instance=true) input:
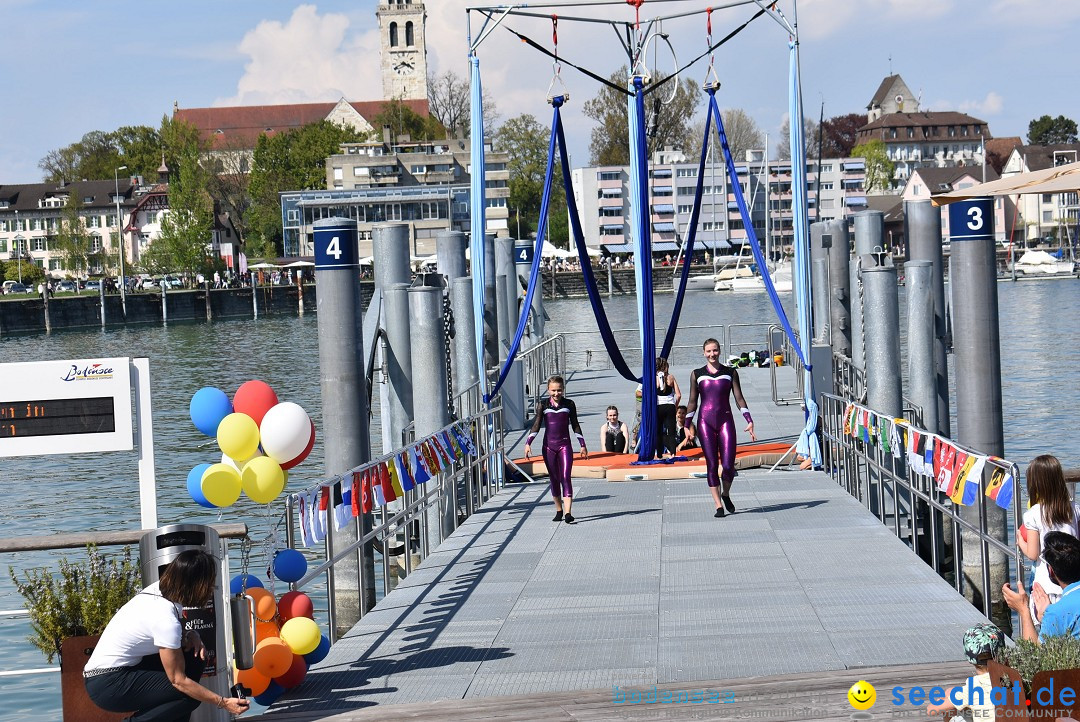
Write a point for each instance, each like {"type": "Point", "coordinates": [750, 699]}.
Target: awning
{"type": "Point", "coordinates": [612, 226]}
{"type": "Point", "coordinates": [1062, 179]}
{"type": "Point", "coordinates": [733, 205]}
{"type": "Point", "coordinates": [660, 173]}
{"type": "Point", "coordinates": [855, 201]}
{"type": "Point", "coordinates": [853, 181]}
{"type": "Point", "coordinates": [610, 192]}
{"type": "Point", "coordinates": [742, 169]}
{"type": "Point", "coordinates": [857, 165]}
{"type": "Point", "coordinates": [663, 208]}
{"type": "Point", "coordinates": [666, 190]}
{"type": "Point", "coordinates": [663, 227]}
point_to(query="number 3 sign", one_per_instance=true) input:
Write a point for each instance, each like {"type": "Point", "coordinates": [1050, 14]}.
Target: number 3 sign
{"type": "Point", "coordinates": [335, 244]}
{"type": "Point", "coordinates": [972, 220]}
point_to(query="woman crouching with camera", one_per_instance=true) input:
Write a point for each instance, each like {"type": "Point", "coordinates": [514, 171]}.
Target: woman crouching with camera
{"type": "Point", "coordinates": [144, 660]}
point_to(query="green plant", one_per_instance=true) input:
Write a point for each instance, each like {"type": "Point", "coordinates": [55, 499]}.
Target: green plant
{"type": "Point", "coordinates": [78, 601]}
{"type": "Point", "coordinates": [1029, 658]}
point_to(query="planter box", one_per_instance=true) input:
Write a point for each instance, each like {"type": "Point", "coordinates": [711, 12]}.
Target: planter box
{"type": "Point", "coordinates": [74, 654]}
{"type": "Point", "coordinates": [1046, 698]}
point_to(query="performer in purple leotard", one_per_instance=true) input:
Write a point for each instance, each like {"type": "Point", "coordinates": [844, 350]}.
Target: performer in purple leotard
{"type": "Point", "coordinates": [712, 384]}
{"type": "Point", "coordinates": [558, 416]}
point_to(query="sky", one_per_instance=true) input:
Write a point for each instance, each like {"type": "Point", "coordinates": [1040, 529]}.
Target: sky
{"type": "Point", "coordinates": [69, 68]}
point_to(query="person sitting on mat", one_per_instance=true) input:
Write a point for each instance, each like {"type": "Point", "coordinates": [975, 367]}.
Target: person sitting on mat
{"type": "Point", "coordinates": [613, 433]}
{"type": "Point", "coordinates": [558, 417]}
{"type": "Point", "coordinates": [682, 441]}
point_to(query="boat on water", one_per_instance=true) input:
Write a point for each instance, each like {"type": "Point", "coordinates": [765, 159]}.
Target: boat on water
{"type": "Point", "coordinates": [1041, 263]}
{"type": "Point", "coordinates": [752, 282]}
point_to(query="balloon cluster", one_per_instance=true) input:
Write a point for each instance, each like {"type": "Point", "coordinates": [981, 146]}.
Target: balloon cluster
{"type": "Point", "coordinates": [260, 440]}
{"type": "Point", "coordinates": [287, 639]}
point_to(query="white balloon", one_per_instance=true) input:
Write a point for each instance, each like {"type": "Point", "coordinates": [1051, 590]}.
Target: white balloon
{"type": "Point", "coordinates": [285, 431]}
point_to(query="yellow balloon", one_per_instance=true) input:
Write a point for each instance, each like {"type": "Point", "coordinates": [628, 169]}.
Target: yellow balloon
{"type": "Point", "coordinates": [262, 479]}
{"type": "Point", "coordinates": [301, 634]}
{"type": "Point", "coordinates": [221, 485]}
{"type": "Point", "coordinates": [238, 436]}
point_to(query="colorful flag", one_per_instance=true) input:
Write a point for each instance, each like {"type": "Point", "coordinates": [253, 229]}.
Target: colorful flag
{"type": "Point", "coordinates": [945, 473]}
{"type": "Point", "coordinates": [955, 489]}
{"type": "Point", "coordinates": [466, 441]}
{"type": "Point", "coordinates": [1001, 488]}
{"type": "Point", "coordinates": [420, 474]}
{"type": "Point", "coordinates": [395, 481]}
{"type": "Point", "coordinates": [387, 484]}
{"type": "Point", "coordinates": [444, 455]}
{"type": "Point", "coordinates": [847, 419]}
{"type": "Point", "coordinates": [971, 477]}
{"type": "Point", "coordinates": [883, 435]}
{"type": "Point", "coordinates": [928, 453]}
{"type": "Point", "coordinates": [452, 445]}
{"type": "Point", "coordinates": [997, 480]}
{"type": "Point", "coordinates": [374, 483]}
{"type": "Point", "coordinates": [914, 458]}
{"type": "Point", "coordinates": [896, 439]}
{"type": "Point", "coordinates": [432, 456]}
{"type": "Point", "coordinates": [403, 474]}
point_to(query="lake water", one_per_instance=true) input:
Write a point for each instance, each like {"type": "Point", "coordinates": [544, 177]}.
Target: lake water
{"type": "Point", "coordinates": [1040, 341]}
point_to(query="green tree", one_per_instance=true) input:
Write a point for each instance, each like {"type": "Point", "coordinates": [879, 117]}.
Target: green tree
{"type": "Point", "coordinates": [839, 134]}
{"type": "Point", "coordinates": [32, 273]}
{"type": "Point", "coordinates": [403, 120]}
{"type": "Point", "coordinates": [1052, 131]}
{"type": "Point", "coordinates": [667, 123]}
{"type": "Point", "coordinates": [879, 169]}
{"type": "Point", "coordinates": [79, 250]}
{"type": "Point", "coordinates": [98, 154]}
{"type": "Point", "coordinates": [449, 102]}
{"type": "Point", "coordinates": [183, 246]}
{"type": "Point", "coordinates": [526, 142]}
{"type": "Point", "coordinates": [140, 150]}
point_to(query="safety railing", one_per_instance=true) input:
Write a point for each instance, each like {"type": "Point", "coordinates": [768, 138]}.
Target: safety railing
{"type": "Point", "coordinates": [920, 514]}
{"type": "Point", "coordinates": [405, 532]}
{"type": "Point", "coordinates": [541, 362]}
{"type": "Point", "coordinates": [849, 380]}
{"type": "Point", "coordinates": [777, 341]}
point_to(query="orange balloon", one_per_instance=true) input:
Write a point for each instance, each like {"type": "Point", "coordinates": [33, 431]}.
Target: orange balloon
{"type": "Point", "coordinates": [273, 657]}
{"type": "Point", "coordinates": [265, 606]}
{"type": "Point", "coordinates": [264, 630]}
{"type": "Point", "coordinates": [253, 679]}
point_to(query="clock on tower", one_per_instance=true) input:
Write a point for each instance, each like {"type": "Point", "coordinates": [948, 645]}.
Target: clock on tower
{"type": "Point", "coordinates": [402, 28]}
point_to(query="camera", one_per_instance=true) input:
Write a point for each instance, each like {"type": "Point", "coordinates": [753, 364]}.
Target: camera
{"type": "Point", "coordinates": [240, 691]}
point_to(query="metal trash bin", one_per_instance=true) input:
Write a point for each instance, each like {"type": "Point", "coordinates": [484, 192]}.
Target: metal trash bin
{"type": "Point", "coordinates": [157, 549]}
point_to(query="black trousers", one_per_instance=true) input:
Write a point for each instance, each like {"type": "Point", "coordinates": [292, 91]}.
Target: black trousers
{"type": "Point", "coordinates": [146, 688]}
{"type": "Point", "coordinates": [665, 437]}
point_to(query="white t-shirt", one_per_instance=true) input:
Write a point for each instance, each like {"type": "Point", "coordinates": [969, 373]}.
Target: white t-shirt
{"type": "Point", "coordinates": [1033, 520]}
{"type": "Point", "coordinates": [144, 625]}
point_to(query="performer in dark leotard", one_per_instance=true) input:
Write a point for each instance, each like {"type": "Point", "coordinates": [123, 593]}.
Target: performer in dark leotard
{"type": "Point", "coordinates": [614, 434]}
{"type": "Point", "coordinates": [558, 416]}
{"type": "Point", "coordinates": [710, 387]}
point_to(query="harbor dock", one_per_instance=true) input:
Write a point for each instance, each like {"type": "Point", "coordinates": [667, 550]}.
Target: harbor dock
{"type": "Point", "coordinates": [780, 606]}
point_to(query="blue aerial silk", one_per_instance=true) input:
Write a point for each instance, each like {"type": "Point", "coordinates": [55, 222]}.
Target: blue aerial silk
{"type": "Point", "coordinates": [639, 215]}
{"type": "Point", "coordinates": [808, 444]}
{"type": "Point", "coordinates": [476, 216]}
{"type": "Point", "coordinates": [534, 271]}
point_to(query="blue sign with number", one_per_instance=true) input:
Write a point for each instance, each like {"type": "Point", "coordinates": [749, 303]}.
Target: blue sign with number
{"type": "Point", "coordinates": [972, 220]}
{"type": "Point", "coordinates": [523, 254]}
{"type": "Point", "coordinates": [336, 247]}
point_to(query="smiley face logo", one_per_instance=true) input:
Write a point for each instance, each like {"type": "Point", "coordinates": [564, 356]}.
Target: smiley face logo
{"type": "Point", "coordinates": [862, 695]}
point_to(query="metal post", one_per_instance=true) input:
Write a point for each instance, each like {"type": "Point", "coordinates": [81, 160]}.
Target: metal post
{"type": "Point", "coordinates": [523, 258]}
{"type": "Point", "coordinates": [464, 343]}
{"type": "Point", "coordinates": [918, 280]}
{"type": "Point", "coordinates": [491, 322]}
{"type": "Point", "coordinates": [397, 362]}
{"type": "Point", "coordinates": [346, 436]}
{"type": "Point", "coordinates": [869, 231]}
{"type": "Point", "coordinates": [922, 221]}
{"type": "Point", "coordinates": [819, 274]}
{"type": "Point", "coordinates": [255, 294]}
{"type": "Point", "coordinates": [426, 335]}
{"type": "Point", "coordinates": [610, 280]}
{"type": "Point", "coordinates": [513, 389]}
{"type": "Point", "coordinates": [300, 291]}
{"type": "Point", "coordinates": [839, 285]}
{"type": "Point", "coordinates": [120, 240]}
{"type": "Point", "coordinates": [979, 422]}
{"type": "Point", "coordinates": [882, 333]}
{"type": "Point", "coordinates": [450, 255]}
{"type": "Point", "coordinates": [209, 308]}
{"type": "Point", "coordinates": [101, 299]}
{"type": "Point", "coordinates": [164, 285]}
{"type": "Point", "coordinates": [390, 251]}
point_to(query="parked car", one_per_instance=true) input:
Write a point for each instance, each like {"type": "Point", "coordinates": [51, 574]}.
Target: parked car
{"type": "Point", "coordinates": [14, 287]}
{"type": "Point", "coordinates": [93, 285]}
{"type": "Point", "coordinates": [66, 287]}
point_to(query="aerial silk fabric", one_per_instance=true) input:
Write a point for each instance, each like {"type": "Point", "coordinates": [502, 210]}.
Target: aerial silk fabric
{"type": "Point", "coordinates": [534, 271]}
{"type": "Point", "coordinates": [808, 444]}
{"type": "Point", "coordinates": [639, 214]}
{"type": "Point", "coordinates": [476, 216]}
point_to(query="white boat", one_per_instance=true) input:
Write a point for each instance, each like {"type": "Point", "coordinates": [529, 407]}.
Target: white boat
{"type": "Point", "coordinates": [1041, 263]}
{"type": "Point", "coordinates": [753, 283]}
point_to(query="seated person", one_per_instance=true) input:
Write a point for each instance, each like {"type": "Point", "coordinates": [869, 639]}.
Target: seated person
{"type": "Point", "coordinates": [614, 435]}
{"type": "Point", "coordinates": [681, 441]}
{"type": "Point", "coordinates": [982, 643]}
{"type": "Point", "coordinates": [1062, 554]}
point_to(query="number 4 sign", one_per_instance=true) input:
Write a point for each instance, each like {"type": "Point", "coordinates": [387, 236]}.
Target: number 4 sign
{"type": "Point", "coordinates": [336, 244]}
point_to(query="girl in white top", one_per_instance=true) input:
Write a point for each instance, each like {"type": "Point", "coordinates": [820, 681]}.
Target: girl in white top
{"type": "Point", "coordinates": [1051, 510]}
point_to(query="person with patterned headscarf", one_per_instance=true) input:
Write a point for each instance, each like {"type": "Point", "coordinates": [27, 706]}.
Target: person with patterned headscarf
{"type": "Point", "coordinates": [982, 643]}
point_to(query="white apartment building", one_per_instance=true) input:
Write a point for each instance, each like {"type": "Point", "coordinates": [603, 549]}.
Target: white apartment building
{"type": "Point", "coordinates": [1043, 214]}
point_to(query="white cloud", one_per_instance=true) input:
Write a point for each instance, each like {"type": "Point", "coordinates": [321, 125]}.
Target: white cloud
{"type": "Point", "coordinates": [992, 104]}
{"type": "Point", "coordinates": [1035, 13]}
{"type": "Point", "coordinates": [823, 18]}
{"type": "Point", "coordinates": [309, 58]}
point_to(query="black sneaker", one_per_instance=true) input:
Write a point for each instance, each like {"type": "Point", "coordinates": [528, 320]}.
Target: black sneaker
{"type": "Point", "coordinates": [569, 518]}
{"type": "Point", "coordinates": [728, 503]}
{"type": "Point", "coordinates": [719, 512]}
{"type": "Point", "coordinates": [558, 516]}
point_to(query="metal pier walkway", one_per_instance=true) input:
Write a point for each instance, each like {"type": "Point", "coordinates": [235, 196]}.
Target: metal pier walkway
{"type": "Point", "coordinates": [647, 588]}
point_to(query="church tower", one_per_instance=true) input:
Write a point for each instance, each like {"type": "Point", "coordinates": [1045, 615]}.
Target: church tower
{"type": "Point", "coordinates": [404, 49]}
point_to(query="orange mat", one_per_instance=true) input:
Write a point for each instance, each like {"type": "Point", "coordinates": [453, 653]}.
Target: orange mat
{"type": "Point", "coordinates": [618, 467]}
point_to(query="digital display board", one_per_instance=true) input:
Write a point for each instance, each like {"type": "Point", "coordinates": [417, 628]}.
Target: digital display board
{"type": "Point", "coordinates": [62, 407]}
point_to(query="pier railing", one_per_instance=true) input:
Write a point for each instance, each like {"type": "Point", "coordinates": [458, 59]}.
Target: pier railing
{"type": "Point", "coordinates": [541, 362]}
{"type": "Point", "coordinates": [921, 515]}
{"type": "Point", "coordinates": [404, 532]}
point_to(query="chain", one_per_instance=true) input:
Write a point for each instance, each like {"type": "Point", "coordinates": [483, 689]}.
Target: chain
{"type": "Point", "coordinates": [448, 334]}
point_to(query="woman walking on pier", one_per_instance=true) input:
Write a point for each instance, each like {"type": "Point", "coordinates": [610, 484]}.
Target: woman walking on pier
{"type": "Point", "coordinates": [558, 416]}
{"type": "Point", "coordinates": [710, 388]}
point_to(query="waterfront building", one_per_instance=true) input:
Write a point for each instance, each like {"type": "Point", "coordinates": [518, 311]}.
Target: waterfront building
{"type": "Point", "coordinates": [425, 185]}
{"type": "Point", "coordinates": [1043, 215]}
{"type": "Point", "coordinates": [927, 182]}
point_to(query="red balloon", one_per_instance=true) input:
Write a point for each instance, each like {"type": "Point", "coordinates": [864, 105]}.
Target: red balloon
{"type": "Point", "coordinates": [254, 398]}
{"type": "Point", "coordinates": [303, 454]}
{"type": "Point", "coordinates": [295, 675]}
{"type": "Point", "coordinates": [295, 604]}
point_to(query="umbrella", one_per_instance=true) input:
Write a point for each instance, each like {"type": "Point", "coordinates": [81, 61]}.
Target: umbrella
{"type": "Point", "coordinates": [263, 266]}
{"type": "Point", "coordinates": [1060, 179]}
{"type": "Point", "coordinates": [299, 264]}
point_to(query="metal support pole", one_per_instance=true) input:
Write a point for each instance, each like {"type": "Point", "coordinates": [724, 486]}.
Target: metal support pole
{"type": "Point", "coordinates": [450, 255]}
{"type": "Point", "coordinates": [979, 424]}
{"type": "Point", "coordinates": [300, 291]}
{"type": "Point", "coordinates": [819, 284]}
{"type": "Point", "coordinates": [209, 309]}
{"type": "Point", "coordinates": [491, 321]}
{"type": "Point", "coordinates": [397, 362]}
{"type": "Point", "coordinates": [869, 232]}
{"type": "Point", "coordinates": [464, 342]}
{"type": "Point", "coordinates": [254, 295]}
{"type": "Point", "coordinates": [922, 221]}
{"type": "Point", "coordinates": [513, 389]}
{"type": "Point", "coordinates": [839, 286]}
{"type": "Point", "coordinates": [164, 301]}
{"type": "Point", "coordinates": [523, 253]}
{"type": "Point", "coordinates": [918, 280]}
{"type": "Point", "coordinates": [390, 250]}
{"type": "Point", "coordinates": [610, 280]}
{"type": "Point", "coordinates": [426, 334]}
{"type": "Point", "coordinates": [884, 391]}
{"type": "Point", "coordinates": [346, 436]}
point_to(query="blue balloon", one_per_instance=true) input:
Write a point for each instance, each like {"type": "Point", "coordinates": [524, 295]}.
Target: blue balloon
{"type": "Point", "coordinates": [289, 565]}
{"type": "Point", "coordinates": [194, 485]}
{"type": "Point", "coordinates": [208, 407]}
{"type": "Point", "coordinates": [237, 584]}
{"type": "Point", "coordinates": [271, 694]}
{"type": "Point", "coordinates": [319, 653]}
